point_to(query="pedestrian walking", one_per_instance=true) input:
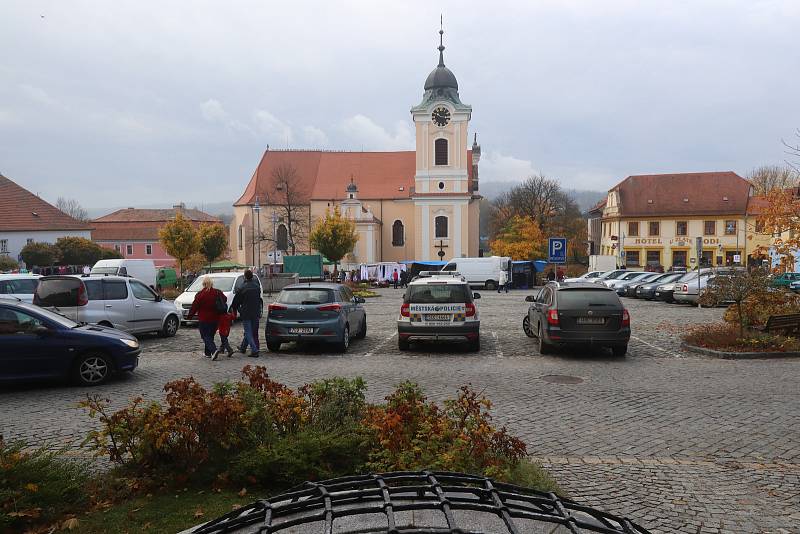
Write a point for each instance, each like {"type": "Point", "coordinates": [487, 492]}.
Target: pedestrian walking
{"type": "Point", "coordinates": [395, 278]}
{"type": "Point", "coordinates": [225, 321]}
{"type": "Point", "coordinates": [209, 304]}
{"type": "Point", "coordinates": [503, 282]}
{"type": "Point", "coordinates": [247, 304]}
{"type": "Point", "coordinates": [551, 275]}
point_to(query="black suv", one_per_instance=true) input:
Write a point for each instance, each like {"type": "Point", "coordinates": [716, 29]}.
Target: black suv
{"type": "Point", "coordinates": [578, 314]}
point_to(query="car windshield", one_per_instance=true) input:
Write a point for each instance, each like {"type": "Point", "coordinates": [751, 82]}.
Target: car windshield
{"type": "Point", "coordinates": [306, 296]}
{"type": "Point", "coordinates": [631, 276]}
{"type": "Point", "coordinates": [581, 298]}
{"type": "Point", "coordinates": [438, 293]}
{"type": "Point", "coordinates": [47, 314]}
{"type": "Point", "coordinates": [223, 283]}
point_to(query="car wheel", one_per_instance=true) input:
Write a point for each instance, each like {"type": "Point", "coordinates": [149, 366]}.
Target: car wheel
{"type": "Point", "coordinates": [92, 369]}
{"type": "Point", "coordinates": [544, 347]}
{"type": "Point", "coordinates": [273, 346]}
{"type": "Point", "coordinates": [475, 345]}
{"type": "Point", "coordinates": [170, 327]}
{"type": "Point", "coordinates": [403, 344]}
{"type": "Point", "coordinates": [344, 344]}
{"type": "Point", "coordinates": [490, 285]}
{"type": "Point", "coordinates": [363, 332]}
{"type": "Point", "coordinates": [619, 350]}
{"type": "Point", "coordinates": [526, 326]}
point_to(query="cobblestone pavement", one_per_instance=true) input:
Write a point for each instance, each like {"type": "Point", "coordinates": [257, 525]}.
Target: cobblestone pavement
{"type": "Point", "coordinates": [678, 442]}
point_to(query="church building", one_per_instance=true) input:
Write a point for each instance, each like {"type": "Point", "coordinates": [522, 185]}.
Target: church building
{"type": "Point", "coordinates": [406, 205]}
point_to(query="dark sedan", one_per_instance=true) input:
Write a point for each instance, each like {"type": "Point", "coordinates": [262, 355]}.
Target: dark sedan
{"type": "Point", "coordinates": [578, 314]}
{"type": "Point", "coordinates": [647, 290]}
{"type": "Point", "coordinates": [315, 312]}
{"type": "Point", "coordinates": [36, 343]}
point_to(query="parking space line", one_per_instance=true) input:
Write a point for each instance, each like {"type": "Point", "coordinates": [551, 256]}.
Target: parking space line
{"type": "Point", "coordinates": [673, 354]}
{"type": "Point", "coordinates": [381, 344]}
{"type": "Point", "coordinates": [498, 352]}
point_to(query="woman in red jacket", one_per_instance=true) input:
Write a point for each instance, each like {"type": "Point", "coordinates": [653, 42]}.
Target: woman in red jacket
{"type": "Point", "coordinates": [205, 305]}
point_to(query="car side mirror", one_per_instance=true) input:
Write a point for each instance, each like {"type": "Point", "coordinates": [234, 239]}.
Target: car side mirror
{"type": "Point", "coordinates": [159, 298]}
{"type": "Point", "coordinates": [359, 300]}
{"type": "Point", "coordinates": [41, 331]}
{"type": "Point", "coordinates": [531, 298]}
{"type": "Point", "coordinates": [476, 296]}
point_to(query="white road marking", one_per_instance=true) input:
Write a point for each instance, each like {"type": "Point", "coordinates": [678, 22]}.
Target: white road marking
{"type": "Point", "coordinates": [673, 354]}
{"type": "Point", "coordinates": [381, 344]}
{"type": "Point", "coordinates": [497, 350]}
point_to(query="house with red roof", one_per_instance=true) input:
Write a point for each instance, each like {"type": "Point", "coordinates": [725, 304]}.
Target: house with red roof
{"type": "Point", "coordinates": [133, 232]}
{"type": "Point", "coordinates": [407, 205]}
{"type": "Point", "coordinates": [26, 218]}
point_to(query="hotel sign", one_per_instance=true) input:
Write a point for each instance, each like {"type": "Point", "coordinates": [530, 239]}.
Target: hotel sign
{"type": "Point", "coordinates": [676, 241]}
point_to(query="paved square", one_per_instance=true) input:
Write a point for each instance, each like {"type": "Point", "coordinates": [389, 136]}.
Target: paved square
{"type": "Point", "coordinates": [670, 439]}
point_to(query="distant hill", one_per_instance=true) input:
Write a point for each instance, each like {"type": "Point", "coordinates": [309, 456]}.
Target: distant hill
{"type": "Point", "coordinates": [585, 199]}
{"type": "Point", "coordinates": [223, 210]}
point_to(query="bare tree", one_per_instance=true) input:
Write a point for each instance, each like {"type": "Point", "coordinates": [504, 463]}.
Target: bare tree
{"type": "Point", "coordinates": [769, 177]}
{"type": "Point", "coordinates": [289, 198]}
{"type": "Point", "coordinates": [794, 150]}
{"type": "Point", "coordinates": [71, 207]}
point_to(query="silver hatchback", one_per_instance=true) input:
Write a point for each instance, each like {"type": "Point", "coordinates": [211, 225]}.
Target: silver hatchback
{"type": "Point", "coordinates": [119, 302]}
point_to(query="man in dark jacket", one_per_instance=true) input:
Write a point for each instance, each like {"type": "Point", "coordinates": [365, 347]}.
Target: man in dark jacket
{"type": "Point", "coordinates": [247, 304]}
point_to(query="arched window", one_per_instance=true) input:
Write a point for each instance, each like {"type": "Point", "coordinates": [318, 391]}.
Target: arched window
{"type": "Point", "coordinates": [441, 227]}
{"type": "Point", "coordinates": [241, 237]}
{"type": "Point", "coordinates": [398, 237]}
{"type": "Point", "coordinates": [283, 237]}
{"type": "Point", "coordinates": [440, 150]}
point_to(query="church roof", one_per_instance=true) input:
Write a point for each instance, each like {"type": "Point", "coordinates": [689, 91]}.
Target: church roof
{"type": "Point", "coordinates": [325, 175]}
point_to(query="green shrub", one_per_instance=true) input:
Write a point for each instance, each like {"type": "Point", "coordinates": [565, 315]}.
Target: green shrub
{"type": "Point", "coordinates": [37, 486]}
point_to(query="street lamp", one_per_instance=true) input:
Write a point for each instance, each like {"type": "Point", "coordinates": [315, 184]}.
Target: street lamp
{"type": "Point", "coordinates": [257, 211]}
{"type": "Point", "coordinates": [274, 251]}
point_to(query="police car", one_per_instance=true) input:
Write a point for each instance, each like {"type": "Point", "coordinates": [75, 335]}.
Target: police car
{"type": "Point", "coordinates": [439, 306]}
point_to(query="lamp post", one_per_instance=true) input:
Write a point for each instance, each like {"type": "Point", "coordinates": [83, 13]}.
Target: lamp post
{"type": "Point", "coordinates": [257, 211]}
{"type": "Point", "coordinates": [274, 251]}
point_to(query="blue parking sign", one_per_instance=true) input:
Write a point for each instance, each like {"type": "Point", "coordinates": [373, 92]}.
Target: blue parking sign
{"type": "Point", "coordinates": [557, 250]}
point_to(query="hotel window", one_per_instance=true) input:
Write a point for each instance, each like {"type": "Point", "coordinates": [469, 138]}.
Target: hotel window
{"type": "Point", "coordinates": [148, 249]}
{"type": "Point", "coordinates": [679, 258]}
{"type": "Point", "coordinates": [633, 229]}
{"type": "Point", "coordinates": [440, 227]}
{"type": "Point", "coordinates": [730, 227]}
{"type": "Point", "coordinates": [632, 257]}
{"type": "Point", "coordinates": [710, 227]}
{"type": "Point", "coordinates": [653, 257]}
{"type": "Point", "coordinates": [655, 228]}
{"type": "Point", "coordinates": [440, 149]}
{"type": "Point", "coordinates": [681, 228]}
{"type": "Point", "coordinates": [128, 249]}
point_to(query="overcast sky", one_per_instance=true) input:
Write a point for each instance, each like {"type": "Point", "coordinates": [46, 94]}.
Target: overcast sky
{"type": "Point", "coordinates": [136, 102]}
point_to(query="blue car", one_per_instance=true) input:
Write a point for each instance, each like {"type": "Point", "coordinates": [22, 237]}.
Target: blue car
{"type": "Point", "coordinates": [36, 343]}
{"type": "Point", "coordinates": [315, 312]}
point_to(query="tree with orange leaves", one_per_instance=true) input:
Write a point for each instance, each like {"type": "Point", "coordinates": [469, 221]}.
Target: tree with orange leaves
{"type": "Point", "coordinates": [781, 217]}
{"type": "Point", "coordinates": [520, 239]}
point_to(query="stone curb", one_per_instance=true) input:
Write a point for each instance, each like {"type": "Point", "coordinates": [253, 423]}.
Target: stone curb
{"type": "Point", "coordinates": [739, 355]}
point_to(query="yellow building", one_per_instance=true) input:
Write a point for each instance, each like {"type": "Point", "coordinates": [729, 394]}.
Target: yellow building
{"type": "Point", "coordinates": [655, 220]}
{"type": "Point", "coordinates": [406, 205]}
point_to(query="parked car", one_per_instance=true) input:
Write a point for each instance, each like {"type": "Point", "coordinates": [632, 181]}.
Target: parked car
{"type": "Point", "coordinates": [795, 286]}
{"type": "Point", "coordinates": [689, 291]}
{"type": "Point", "coordinates": [119, 302]}
{"type": "Point", "coordinates": [628, 277]}
{"type": "Point", "coordinates": [610, 275]}
{"type": "Point", "coordinates": [144, 270]}
{"type": "Point", "coordinates": [587, 277]}
{"type": "Point", "coordinates": [228, 283]}
{"type": "Point", "coordinates": [647, 290]}
{"type": "Point", "coordinates": [19, 286]}
{"type": "Point", "coordinates": [665, 291]}
{"type": "Point", "coordinates": [481, 272]}
{"type": "Point", "coordinates": [628, 287]}
{"type": "Point", "coordinates": [315, 311]}
{"type": "Point", "coordinates": [577, 314]}
{"type": "Point", "coordinates": [36, 343]}
{"type": "Point", "coordinates": [439, 307]}
{"type": "Point", "coordinates": [784, 279]}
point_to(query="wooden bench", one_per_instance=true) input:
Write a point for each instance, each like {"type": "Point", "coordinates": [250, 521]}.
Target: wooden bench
{"type": "Point", "coordinates": [782, 323]}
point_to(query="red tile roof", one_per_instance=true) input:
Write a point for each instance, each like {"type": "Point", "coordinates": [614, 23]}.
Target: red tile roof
{"type": "Point", "coordinates": [756, 205]}
{"type": "Point", "coordinates": [324, 175]}
{"type": "Point", "coordinates": [705, 193]}
{"type": "Point", "coordinates": [155, 215]}
{"type": "Point", "coordinates": [24, 211]}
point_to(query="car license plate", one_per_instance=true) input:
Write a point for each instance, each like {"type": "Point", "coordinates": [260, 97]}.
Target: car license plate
{"type": "Point", "coordinates": [591, 320]}
{"type": "Point", "coordinates": [437, 317]}
{"type": "Point", "coordinates": [301, 330]}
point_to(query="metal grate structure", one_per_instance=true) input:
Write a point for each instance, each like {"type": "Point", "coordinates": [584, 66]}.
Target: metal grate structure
{"type": "Point", "coordinates": [414, 503]}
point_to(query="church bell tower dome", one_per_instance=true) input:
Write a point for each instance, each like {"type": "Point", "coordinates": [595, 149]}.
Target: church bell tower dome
{"type": "Point", "coordinates": [441, 82]}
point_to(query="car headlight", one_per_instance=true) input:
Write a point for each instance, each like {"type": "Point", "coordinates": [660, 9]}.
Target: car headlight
{"type": "Point", "coordinates": [132, 343]}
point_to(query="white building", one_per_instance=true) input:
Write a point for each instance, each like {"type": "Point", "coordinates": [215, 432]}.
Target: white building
{"type": "Point", "coordinates": [26, 218]}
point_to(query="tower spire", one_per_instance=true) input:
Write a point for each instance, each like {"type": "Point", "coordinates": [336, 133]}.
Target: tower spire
{"type": "Point", "coordinates": [441, 45]}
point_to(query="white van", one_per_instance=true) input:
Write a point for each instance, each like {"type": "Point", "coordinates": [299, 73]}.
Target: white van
{"type": "Point", "coordinates": [484, 272]}
{"type": "Point", "coordinates": [144, 270]}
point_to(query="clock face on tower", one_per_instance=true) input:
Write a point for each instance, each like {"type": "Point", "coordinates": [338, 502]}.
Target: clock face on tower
{"type": "Point", "coordinates": [441, 116]}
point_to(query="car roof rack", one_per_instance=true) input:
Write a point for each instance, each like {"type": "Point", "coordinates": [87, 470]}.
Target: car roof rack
{"type": "Point", "coordinates": [429, 274]}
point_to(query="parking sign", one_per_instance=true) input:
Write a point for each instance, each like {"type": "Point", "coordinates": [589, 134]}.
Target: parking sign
{"type": "Point", "coordinates": [557, 250]}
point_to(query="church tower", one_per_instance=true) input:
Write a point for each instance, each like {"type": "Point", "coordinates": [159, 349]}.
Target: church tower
{"type": "Point", "coordinates": [444, 198]}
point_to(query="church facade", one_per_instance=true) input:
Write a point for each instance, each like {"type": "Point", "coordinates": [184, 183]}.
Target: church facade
{"type": "Point", "coordinates": [406, 205]}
